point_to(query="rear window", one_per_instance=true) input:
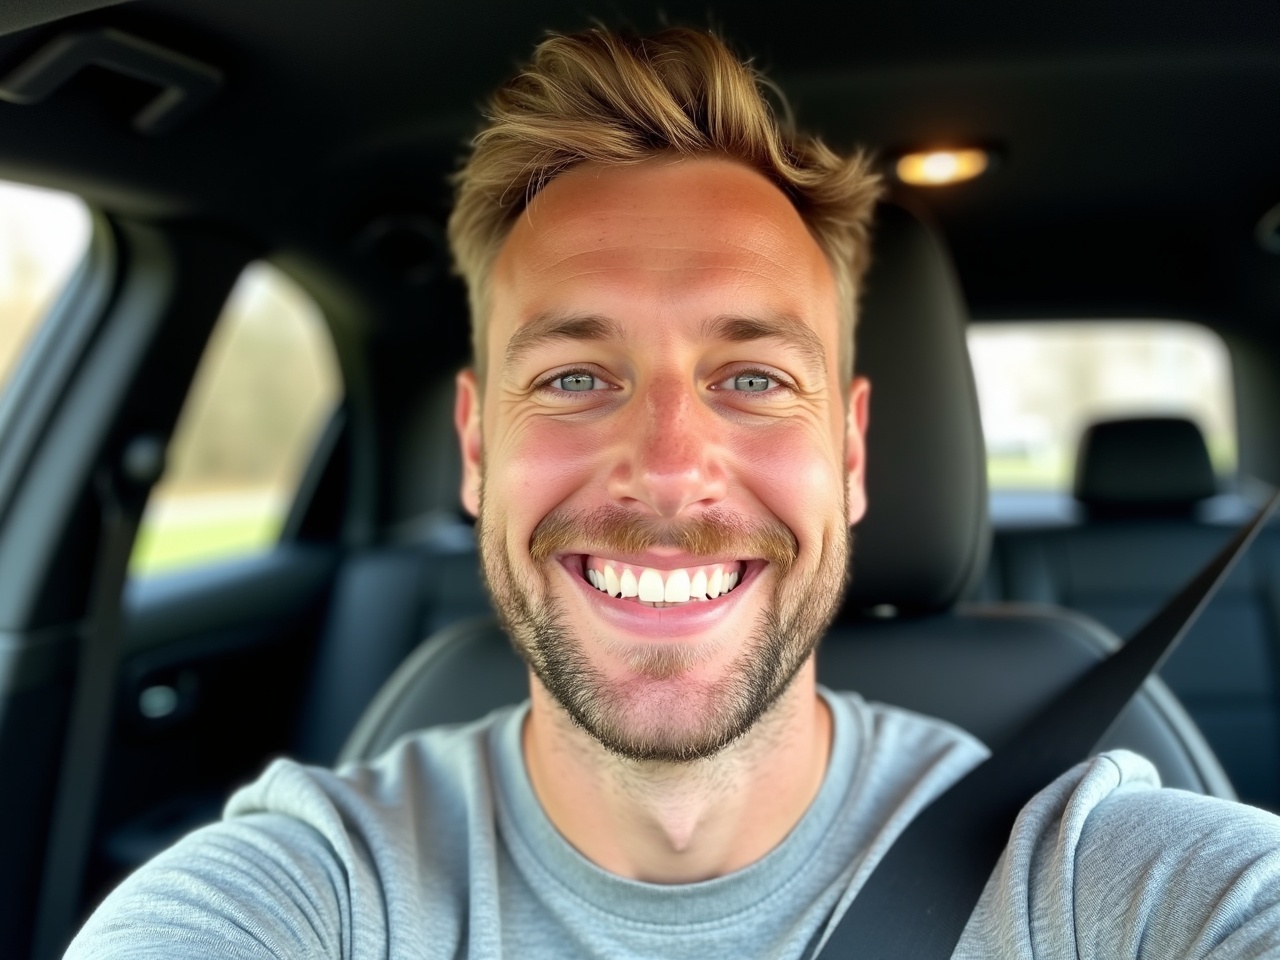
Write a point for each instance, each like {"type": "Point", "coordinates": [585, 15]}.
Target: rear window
{"type": "Point", "coordinates": [266, 386]}
{"type": "Point", "coordinates": [1040, 385]}
{"type": "Point", "coordinates": [43, 234]}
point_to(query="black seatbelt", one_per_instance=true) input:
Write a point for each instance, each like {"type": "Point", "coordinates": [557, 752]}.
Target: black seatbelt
{"type": "Point", "coordinates": [918, 899]}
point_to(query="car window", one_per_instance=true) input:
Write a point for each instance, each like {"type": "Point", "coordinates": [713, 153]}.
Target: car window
{"type": "Point", "coordinates": [266, 386]}
{"type": "Point", "coordinates": [1039, 386]}
{"type": "Point", "coordinates": [43, 235]}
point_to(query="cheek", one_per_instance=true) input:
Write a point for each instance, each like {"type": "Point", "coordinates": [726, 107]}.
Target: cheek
{"type": "Point", "coordinates": [539, 464]}
{"type": "Point", "coordinates": [795, 474]}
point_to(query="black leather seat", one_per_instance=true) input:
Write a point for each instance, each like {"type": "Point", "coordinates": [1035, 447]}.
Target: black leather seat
{"type": "Point", "coordinates": [901, 637]}
{"type": "Point", "coordinates": [1152, 517]}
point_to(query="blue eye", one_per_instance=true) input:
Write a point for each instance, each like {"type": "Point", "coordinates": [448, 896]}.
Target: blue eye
{"type": "Point", "coordinates": [576, 382]}
{"type": "Point", "coordinates": [751, 382]}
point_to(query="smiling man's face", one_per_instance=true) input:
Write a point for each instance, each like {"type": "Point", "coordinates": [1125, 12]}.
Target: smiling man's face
{"type": "Point", "coordinates": [663, 459]}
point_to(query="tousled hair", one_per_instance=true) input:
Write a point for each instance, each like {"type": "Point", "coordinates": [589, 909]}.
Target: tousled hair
{"type": "Point", "coordinates": [617, 99]}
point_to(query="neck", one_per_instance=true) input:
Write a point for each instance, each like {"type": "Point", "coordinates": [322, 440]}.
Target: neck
{"type": "Point", "coordinates": [681, 822]}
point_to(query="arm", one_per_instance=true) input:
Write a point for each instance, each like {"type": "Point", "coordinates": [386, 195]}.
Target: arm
{"type": "Point", "coordinates": [1103, 865]}
{"type": "Point", "coordinates": [258, 886]}
{"type": "Point", "coordinates": [1166, 873]}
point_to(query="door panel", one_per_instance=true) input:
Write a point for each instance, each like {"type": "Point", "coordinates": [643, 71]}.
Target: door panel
{"type": "Point", "coordinates": [221, 613]}
{"type": "Point", "coordinates": [214, 667]}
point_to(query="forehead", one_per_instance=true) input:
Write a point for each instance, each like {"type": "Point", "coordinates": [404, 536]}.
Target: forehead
{"type": "Point", "coordinates": [683, 240]}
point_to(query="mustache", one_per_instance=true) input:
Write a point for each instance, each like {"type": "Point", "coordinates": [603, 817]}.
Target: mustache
{"type": "Point", "coordinates": [713, 534]}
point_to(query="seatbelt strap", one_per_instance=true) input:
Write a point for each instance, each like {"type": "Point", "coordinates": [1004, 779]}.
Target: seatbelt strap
{"type": "Point", "coordinates": [121, 496]}
{"type": "Point", "coordinates": [919, 898]}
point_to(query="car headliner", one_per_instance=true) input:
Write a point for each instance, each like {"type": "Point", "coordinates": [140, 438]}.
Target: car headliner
{"type": "Point", "coordinates": [1138, 144]}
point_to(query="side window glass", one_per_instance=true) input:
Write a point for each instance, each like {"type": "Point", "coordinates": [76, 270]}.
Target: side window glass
{"type": "Point", "coordinates": [43, 234]}
{"type": "Point", "coordinates": [266, 386]}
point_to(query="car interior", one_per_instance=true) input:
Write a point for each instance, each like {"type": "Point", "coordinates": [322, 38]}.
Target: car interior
{"type": "Point", "coordinates": [1133, 175]}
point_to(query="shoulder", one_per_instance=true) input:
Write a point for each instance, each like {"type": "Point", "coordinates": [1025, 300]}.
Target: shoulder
{"type": "Point", "coordinates": [1189, 871]}
{"type": "Point", "coordinates": [1118, 801]}
{"type": "Point", "coordinates": [893, 734]}
{"type": "Point", "coordinates": [901, 759]}
{"type": "Point", "coordinates": [897, 725]}
{"type": "Point", "coordinates": [438, 767]}
{"type": "Point", "coordinates": [259, 886]}
{"type": "Point", "coordinates": [1104, 862]}
{"type": "Point", "coordinates": [1112, 817]}
{"type": "Point", "coordinates": [411, 808]}
{"type": "Point", "coordinates": [314, 862]}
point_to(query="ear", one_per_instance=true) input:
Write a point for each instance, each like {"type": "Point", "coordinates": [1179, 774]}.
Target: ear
{"type": "Point", "coordinates": [466, 418]}
{"type": "Point", "coordinates": [856, 446]}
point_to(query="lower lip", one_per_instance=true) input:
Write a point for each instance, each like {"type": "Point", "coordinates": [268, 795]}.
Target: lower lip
{"type": "Point", "coordinates": [656, 623]}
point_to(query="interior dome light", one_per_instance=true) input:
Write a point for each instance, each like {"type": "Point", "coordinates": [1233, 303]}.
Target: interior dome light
{"type": "Point", "coordinates": [936, 168]}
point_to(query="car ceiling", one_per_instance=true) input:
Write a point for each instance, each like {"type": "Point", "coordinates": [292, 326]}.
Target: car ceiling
{"type": "Point", "coordinates": [1138, 143]}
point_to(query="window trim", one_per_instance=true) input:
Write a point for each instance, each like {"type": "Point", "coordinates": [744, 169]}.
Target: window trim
{"type": "Point", "coordinates": [44, 372]}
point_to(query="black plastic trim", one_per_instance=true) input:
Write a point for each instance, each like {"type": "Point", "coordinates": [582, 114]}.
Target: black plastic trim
{"type": "Point", "coordinates": [185, 84]}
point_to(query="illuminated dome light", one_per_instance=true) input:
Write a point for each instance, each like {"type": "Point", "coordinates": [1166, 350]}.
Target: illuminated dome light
{"type": "Point", "coordinates": [937, 168]}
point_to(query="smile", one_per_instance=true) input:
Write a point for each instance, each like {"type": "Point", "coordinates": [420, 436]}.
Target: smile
{"type": "Point", "coordinates": [651, 586]}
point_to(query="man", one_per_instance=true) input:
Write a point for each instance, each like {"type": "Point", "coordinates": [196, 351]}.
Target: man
{"type": "Point", "coordinates": [663, 445]}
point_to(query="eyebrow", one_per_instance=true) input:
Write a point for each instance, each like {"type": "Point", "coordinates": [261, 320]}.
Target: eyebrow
{"type": "Point", "coordinates": [550, 327]}
{"type": "Point", "coordinates": [787, 328]}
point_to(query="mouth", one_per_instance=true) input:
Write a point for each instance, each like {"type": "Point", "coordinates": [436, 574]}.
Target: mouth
{"type": "Point", "coordinates": [662, 587]}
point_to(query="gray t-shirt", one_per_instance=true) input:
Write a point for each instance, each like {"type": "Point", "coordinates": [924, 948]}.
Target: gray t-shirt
{"type": "Point", "coordinates": [440, 849]}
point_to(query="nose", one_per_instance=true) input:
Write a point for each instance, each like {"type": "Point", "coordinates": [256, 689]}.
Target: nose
{"type": "Point", "coordinates": [669, 456]}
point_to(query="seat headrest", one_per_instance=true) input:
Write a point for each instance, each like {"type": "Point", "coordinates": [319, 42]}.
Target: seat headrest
{"type": "Point", "coordinates": [1143, 466]}
{"type": "Point", "coordinates": [926, 534]}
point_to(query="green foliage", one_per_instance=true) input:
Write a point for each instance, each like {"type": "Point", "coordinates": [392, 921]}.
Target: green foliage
{"type": "Point", "coordinates": [174, 544]}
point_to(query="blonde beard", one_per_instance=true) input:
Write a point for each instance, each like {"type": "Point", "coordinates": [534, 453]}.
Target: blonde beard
{"type": "Point", "coordinates": [673, 723]}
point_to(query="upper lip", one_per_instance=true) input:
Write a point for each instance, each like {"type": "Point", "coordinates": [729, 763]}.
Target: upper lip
{"type": "Point", "coordinates": [656, 561]}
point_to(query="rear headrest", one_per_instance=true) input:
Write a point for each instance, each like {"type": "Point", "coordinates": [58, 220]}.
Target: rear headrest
{"type": "Point", "coordinates": [1143, 466]}
{"type": "Point", "coordinates": [926, 534]}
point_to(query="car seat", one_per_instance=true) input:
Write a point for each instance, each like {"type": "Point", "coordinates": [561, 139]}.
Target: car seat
{"type": "Point", "coordinates": [901, 637]}
{"type": "Point", "coordinates": [1152, 517]}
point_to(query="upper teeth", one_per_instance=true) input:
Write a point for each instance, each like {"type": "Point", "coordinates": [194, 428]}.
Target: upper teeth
{"type": "Point", "coordinates": [663, 586]}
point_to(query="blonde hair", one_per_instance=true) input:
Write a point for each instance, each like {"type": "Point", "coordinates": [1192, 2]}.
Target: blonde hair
{"type": "Point", "coordinates": [611, 98]}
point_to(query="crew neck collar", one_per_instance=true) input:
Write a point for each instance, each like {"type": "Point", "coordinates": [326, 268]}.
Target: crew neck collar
{"type": "Point", "coordinates": [546, 857]}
